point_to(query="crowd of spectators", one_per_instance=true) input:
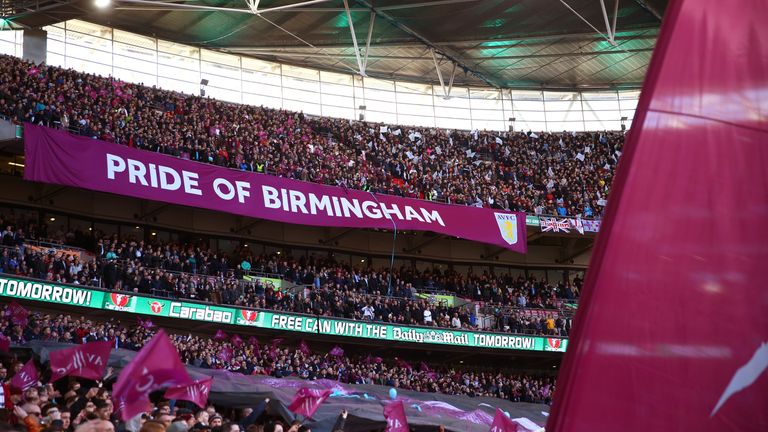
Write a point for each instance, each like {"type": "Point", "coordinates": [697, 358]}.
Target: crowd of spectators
{"type": "Point", "coordinates": [194, 271]}
{"type": "Point", "coordinates": [274, 359]}
{"type": "Point", "coordinates": [564, 174]}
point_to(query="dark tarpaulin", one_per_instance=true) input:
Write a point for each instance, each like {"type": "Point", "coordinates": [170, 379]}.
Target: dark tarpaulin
{"type": "Point", "coordinates": [425, 411]}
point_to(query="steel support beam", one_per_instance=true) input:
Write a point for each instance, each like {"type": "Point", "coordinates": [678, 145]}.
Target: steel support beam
{"type": "Point", "coordinates": [643, 4]}
{"type": "Point", "coordinates": [360, 66]}
{"type": "Point", "coordinates": [607, 37]}
{"type": "Point", "coordinates": [607, 23]}
{"type": "Point", "coordinates": [368, 42]}
{"type": "Point", "coordinates": [426, 42]}
{"type": "Point", "coordinates": [341, 56]}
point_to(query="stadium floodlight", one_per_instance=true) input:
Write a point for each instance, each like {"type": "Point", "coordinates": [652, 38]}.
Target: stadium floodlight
{"type": "Point", "coordinates": [101, 4]}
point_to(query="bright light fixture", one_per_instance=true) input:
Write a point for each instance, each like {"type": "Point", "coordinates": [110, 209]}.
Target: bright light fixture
{"type": "Point", "coordinates": [102, 3]}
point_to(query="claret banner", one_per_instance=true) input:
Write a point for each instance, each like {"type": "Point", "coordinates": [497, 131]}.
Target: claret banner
{"type": "Point", "coordinates": [54, 156]}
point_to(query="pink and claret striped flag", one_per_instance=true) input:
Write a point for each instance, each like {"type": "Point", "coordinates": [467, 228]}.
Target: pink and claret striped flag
{"type": "Point", "coordinates": [308, 400]}
{"type": "Point", "coordinates": [394, 413]}
{"type": "Point", "coordinates": [86, 361]}
{"type": "Point", "coordinates": [156, 366]}
{"type": "Point", "coordinates": [27, 377]}
{"type": "Point", "coordinates": [197, 392]}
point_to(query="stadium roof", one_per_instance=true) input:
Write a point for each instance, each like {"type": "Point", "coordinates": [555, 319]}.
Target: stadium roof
{"type": "Point", "coordinates": [558, 44]}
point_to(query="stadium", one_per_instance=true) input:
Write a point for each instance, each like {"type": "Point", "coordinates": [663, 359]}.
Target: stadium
{"type": "Point", "coordinates": [392, 215]}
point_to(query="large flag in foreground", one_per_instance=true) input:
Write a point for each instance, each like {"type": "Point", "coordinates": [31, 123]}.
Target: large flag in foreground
{"type": "Point", "coordinates": [672, 327]}
{"type": "Point", "coordinates": [157, 365]}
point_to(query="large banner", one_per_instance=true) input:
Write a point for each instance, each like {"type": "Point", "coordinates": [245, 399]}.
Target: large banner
{"type": "Point", "coordinates": [218, 314]}
{"type": "Point", "coordinates": [54, 156]}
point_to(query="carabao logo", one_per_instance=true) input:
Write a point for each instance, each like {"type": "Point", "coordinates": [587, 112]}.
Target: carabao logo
{"type": "Point", "coordinates": [119, 300]}
{"type": "Point", "coordinates": [555, 344]}
{"type": "Point", "coordinates": [156, 307]}
{"type": "Point", "coordinates": [249, 316]}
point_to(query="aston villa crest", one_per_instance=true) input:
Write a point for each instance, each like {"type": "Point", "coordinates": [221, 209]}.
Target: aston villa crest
{"type": "Point", "coordinates": [507, 223]}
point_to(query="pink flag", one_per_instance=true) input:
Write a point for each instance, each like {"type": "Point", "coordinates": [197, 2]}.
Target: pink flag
{"type": "Point", "coordinates": [146, 324]}
{"type": "Point", "coordinates": [225, 354]}
{"type": "Point", "coordinates": [671, 330]}
{"type": "Point", "coordinates": [220, 335]}
{"type": "Point", "coordinates": [157, 365]}
{"type": "Point", "coordinates": [17, 313]}
{"type": "Point", "coordinates": [277, 342]}
{"type": "Point", "coordinates": [303, 347]}
{"type": "Point", "coordinates": [423, 367]}
{"type": "Point", "coordinates": [337, 351]}
{"type": "Point", "coordinates": [26, 377]}
{"type": "Point", "coordinates": [5, 343]}
{"type": "Point", "coordinates": [252, 341]}
{"type": "Point", "coordinates": [307, 401]}
{"type": "Point", "coordinates": [86, 361]}
{"type": "Point", "coordinates": [403, 364]}
{"type": "Point", "coordinates": [197, 392]}
{"type": "Point", "coordinates": [237, 341]}
{"type": "Point", "coordinates": [502, 423]}
{"type": "Point", "coordinates": [394, 413]}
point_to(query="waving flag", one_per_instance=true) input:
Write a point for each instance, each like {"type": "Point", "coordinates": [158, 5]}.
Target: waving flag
{"type": "Point", "coordinates": [26, 377]}
{"type": "Point", "coordinates": [220, 335]}
{"type": "Point", "coordinates": [304, 348]}
{"type": "Point", "coordinates": [197, 392]}
{"type": "Point", "coordinates": [672, 318]}
{"type": "Point", "coordinates": [307, 401]}
{"type": "Point", "coordinates": [394, 413]}
{"type": "Point", "coordinates": [145, 324]}
{"type": "Point", "coordinates": [225, 354]}
{"type": "Point", "coordinates": [336, 352]}
{"type": "Point", "coordinates": [236, 340]}
{"type": "Point", "coordinates": [87, 361]}
{"type": "Point", "coordinates": [502, 423]}
{"type": "Point", "coordinates": [157, 365]}
{"type": "Point", "coordinates": [17, 313]}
